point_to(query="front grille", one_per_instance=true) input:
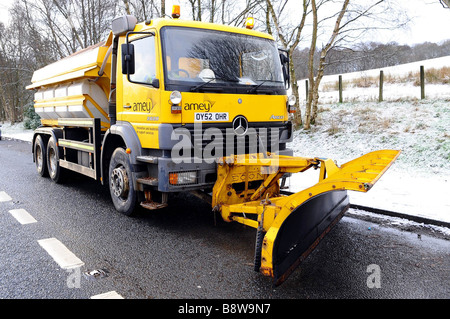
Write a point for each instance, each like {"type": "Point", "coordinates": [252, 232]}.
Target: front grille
{"type": "Point", "coordinates": [212, 141]}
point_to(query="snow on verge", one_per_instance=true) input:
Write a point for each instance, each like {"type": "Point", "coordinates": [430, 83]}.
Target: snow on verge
{"type": "Point", "coordinates": [418, 183]}
{"type": "Point", "coordinates": [15, 131]}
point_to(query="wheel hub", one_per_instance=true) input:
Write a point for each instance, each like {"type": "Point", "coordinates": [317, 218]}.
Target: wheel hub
{"type": "Point", "coordinates": [39, 157]}
{"type": "Point", "coordinates": [53, 161]}
{"type": "Point", "coordinates": [119, 182]}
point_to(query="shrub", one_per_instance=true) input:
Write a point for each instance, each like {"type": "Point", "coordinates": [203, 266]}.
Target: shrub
{"type": "Point", "coordinates": [31, 119]}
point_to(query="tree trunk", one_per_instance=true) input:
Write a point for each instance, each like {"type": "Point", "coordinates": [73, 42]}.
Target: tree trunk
{"type": "Point", "coordinates": [268, 27]}
{"type": "Point", "coordinates": [199, 10]}
{"type": "Point", "coordinates": [127, 6]}
{"type": "Point", "coordinates": [312, 105]}
{"type": "Point", "coordinates": [312, 50]}
{"type": "Point", "coordinates": [298, 115]}
{"type": "Point", "coordinates": [318, 78]}
{"type": "Point", "coordinates": [213, 11]}
{"type": "Point", "coordinates": [163, 8]}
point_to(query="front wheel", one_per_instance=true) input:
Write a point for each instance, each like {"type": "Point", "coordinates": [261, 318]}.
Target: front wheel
{"type": "Point", "coordinates": [121, 186]}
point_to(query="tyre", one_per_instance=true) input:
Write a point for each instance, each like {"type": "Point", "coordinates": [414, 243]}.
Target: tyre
{"type": "Point", "coordinates": [55, 171]}
{"type": "Point", "coordinates": [40, 156]}
{"type": "Point", "coordinates": [121, 186]}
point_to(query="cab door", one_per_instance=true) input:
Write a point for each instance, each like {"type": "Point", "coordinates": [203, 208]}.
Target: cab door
{"type": "Point", "coordinates": [139, 96]}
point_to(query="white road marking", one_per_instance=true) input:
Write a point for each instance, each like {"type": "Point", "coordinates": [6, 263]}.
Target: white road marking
{"type": "Point", "coordinates": [60, 253]}
{"type": "Point", "coordinates": [22, 216]}
{"type": "Point", "coordinates": [108, 295]}
{"type": "Point", "coordinates": [4, 197]}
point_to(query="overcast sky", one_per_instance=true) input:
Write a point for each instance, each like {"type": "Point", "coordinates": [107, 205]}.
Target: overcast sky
{"type": "Point", "coordinates": [430, 21]}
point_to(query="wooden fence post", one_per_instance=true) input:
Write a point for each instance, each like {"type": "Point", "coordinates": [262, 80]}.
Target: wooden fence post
{"type": "Point", "coordinates": [380, 94]}
{"type": "Point", "coordinates": [340, 88]}
{"type": "Point", "coordinates": [422, 82]}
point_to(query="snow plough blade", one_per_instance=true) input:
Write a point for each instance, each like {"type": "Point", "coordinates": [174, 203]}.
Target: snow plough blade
{"type": "Point", "coordinates": [289, 226]}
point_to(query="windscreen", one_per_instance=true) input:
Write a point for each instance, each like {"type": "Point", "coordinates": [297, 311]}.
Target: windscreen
{"type": "Point", "coordinates": [198, 59]}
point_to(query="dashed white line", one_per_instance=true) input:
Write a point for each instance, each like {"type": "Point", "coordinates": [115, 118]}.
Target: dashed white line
{"type": "Point", "coordinates": [22, 216]}
{"type": "Point", "coordinates": [4, 197]}
{"type": "Point", "coordinates": [56, 249]}
{"type": "Point", "coordinates": [108, 295]}
{"type": "Point", "coordinates": [60, 253]}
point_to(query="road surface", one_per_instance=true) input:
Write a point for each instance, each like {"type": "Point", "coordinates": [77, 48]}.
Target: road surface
{"type": "Point", "coordinates": [182, 252]}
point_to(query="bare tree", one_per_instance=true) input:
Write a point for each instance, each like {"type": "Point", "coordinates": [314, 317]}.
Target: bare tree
{"type": "Point", "coordinates": [144, 9]}
{"type": "Point", "coordinates": [349, 23]}
{"type": "Point", "coordinates": [290, 38]}
{"type": "Point", "coordinates": [66, 12]}
{"type": "Point", "coordinates": [229, 12]}
{"type": "Point", "coordinates": [314, 80]}
{"type": "Point", "coordinates": [16, 67]}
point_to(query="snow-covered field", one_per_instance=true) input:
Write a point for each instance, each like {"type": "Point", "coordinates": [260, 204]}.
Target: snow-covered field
{"type": "Point", "coordinates": [419, 181]}
{"type": "Point", "coordinates": [391, 91]}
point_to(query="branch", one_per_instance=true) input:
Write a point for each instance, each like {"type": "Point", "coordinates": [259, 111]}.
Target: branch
{"type": "Point", "coordinates": [361, 14]}
{"type": "Point", "coordinates": [69, 19]}
{"type": "Point", "coordinates": [275, 21]}
{"type": "Point", "coordinates": [445, 3]}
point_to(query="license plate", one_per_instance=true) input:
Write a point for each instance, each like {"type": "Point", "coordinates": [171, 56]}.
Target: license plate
{"type": "Point", "coordinates": [211, 117]}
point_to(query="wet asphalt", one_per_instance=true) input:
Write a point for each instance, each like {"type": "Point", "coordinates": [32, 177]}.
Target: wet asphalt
{"type": "Point", "coordinates": [184, 252]}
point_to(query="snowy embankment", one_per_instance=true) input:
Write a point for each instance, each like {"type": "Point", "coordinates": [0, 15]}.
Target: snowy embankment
{"type": "Point", "coordinates": [15, 131]}
{"type": "Point", "coordinates": [419, 181]}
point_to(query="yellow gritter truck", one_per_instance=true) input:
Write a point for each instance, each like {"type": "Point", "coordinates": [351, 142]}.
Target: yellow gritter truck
{"type": "Point", "coordinates": [169, 105]}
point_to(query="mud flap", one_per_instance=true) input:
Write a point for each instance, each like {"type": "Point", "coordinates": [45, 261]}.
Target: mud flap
{"type": "Point", "coordinates": [303, 229]}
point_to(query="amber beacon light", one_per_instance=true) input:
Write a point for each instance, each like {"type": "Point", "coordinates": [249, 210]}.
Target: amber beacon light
{"type": "Point", "coordinates": [175, 11]}
{"type": "Point", "coordinates": [249, 23]}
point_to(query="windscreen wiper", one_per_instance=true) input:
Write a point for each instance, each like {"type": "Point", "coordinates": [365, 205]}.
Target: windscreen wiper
{"type": "Point", "coordinates": [195, 88]}
{"type": "Point", "coordinates": [255, 88]}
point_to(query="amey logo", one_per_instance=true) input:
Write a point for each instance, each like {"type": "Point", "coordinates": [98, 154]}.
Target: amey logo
{"type": "Point", "coordinates": [205, 106]}
{"type": "Point", "coordinates": [142, 107]}
{"type": "Point", "coordinates": [146, 107]}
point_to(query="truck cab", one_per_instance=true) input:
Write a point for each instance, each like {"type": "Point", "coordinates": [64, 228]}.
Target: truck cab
{"type": "Point", "coordinates": [194, 92]}
{"type": "Point", "coordinates": [174, 96]}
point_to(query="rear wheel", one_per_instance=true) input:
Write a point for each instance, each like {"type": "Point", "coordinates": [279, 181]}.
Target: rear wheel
{"type": "Point", "coordinates": [40, 156]}
{"type": "Point", "coordinates": [121, 186]}
{"type": "Point", "coordinates": [55, 171]}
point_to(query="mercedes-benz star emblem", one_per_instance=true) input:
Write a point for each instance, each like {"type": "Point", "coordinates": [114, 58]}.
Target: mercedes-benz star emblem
{"type": "Point", "coordinates": [240, 125]}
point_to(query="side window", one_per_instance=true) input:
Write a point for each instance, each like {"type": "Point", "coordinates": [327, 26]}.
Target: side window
{"type": "Point", "coordinates": [145, 64]}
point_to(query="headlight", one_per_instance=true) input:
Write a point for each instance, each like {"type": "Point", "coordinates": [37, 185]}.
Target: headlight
{"type": "Point", "coordinates": [292, 100]}
{"type": "Point", "coordinates": [183, 178]}
{"type": "Point", "coordinates": [175, 97]}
